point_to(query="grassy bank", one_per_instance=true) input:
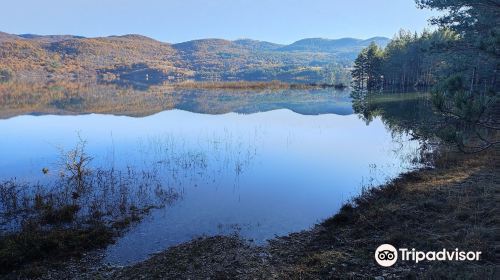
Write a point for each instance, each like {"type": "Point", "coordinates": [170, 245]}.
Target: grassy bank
{"type": "Point", "coordinates": [451, 206]}
{"type": "Point", "coordinates": [52, 234]}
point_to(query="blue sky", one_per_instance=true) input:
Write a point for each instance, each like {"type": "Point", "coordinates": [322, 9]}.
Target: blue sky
{"type": "Point", "coordinates": [280, 21]}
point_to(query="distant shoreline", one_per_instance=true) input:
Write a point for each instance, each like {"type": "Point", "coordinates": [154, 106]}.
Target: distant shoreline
{"type": "Point", "coordinates": [189, 84]}
{"type": "Point", "coordinates": [253, 85]}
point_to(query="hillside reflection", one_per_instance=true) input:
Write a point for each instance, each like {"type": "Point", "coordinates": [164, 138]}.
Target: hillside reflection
{"type": "Point", "coordinates": [71, 98]}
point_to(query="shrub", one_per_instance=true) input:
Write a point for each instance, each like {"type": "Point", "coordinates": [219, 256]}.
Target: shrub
{"type": "Point", "coordinates": [5, 75]}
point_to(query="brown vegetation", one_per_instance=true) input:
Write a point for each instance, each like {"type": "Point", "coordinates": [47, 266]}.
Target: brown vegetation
{"type": "Point", "coordinates": [246, 85]}
{"type": "Point", "coordinates": [83, 209]}
{"type": "Point", "coordinates": [450, 206]}
{"type": "Point", "coordinates": [141, 58]}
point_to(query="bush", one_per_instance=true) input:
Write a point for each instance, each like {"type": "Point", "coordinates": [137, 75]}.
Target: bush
{"type": "Point", "coordinates": [27, 246]}
{"type": "Point", "coordinates": [5, 75]}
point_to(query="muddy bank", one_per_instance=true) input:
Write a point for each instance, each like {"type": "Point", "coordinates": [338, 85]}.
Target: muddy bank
{"type": "Point", "coordinates": [451, 206]}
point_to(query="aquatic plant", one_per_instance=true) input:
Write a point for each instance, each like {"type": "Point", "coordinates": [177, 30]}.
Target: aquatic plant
{"type": "Point", "coordinates": [83, 208]}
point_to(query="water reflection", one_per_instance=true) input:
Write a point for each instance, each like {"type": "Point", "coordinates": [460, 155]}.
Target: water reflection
{"type": "Point", "coordinates": [404, 114]}
{"type": "Point", "coordinates": [250, 164]}
{"type": "Point", "coordinates": [79, 98]}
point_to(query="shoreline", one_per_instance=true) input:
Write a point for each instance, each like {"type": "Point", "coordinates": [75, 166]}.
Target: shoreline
{"type": "Point", "coordinates": [187, 84]}
{"type": "Point", "coordinates": [427, 209]}
{"type": "Point", "coordinates": [252, 85]}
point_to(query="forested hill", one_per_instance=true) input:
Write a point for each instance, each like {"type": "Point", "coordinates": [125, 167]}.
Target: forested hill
{"type": "Point", "coordinates": [139, 57]}
{"type": "Point", "coordinates": [347, 46]}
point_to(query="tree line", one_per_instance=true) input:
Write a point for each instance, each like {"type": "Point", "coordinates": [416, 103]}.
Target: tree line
{"type": "Point", "coordinates": [458, 62]}
{"type": "Point", "coordinates": [410, 61]}
{"type": "Point", "coordinates": [466, 44]}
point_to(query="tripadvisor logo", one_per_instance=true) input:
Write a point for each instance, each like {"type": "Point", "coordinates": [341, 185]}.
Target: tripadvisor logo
{"type": "Point", "coordinates": [387, 255]}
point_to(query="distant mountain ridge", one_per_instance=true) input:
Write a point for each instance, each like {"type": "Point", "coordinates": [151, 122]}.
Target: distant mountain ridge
{"type": "Point", "coordinates": [306, 44]}
{"type": "Point", "coordinates": [140, 57]}
{"type": "Point", "coordinates": [334, 45]}
{"type": "Point", "coordinates": [258, 45]}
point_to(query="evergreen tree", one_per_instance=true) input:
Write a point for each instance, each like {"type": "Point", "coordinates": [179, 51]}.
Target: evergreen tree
{"type": "Point", "coordinates": [459, 63]}
{"type": "Point", "coordinates": [367, 68]}
{"type": "Point", "coordinates": [359, 70]}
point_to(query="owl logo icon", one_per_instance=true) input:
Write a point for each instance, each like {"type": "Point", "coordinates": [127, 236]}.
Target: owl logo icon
{"type": "Point", "coordinates": [386, 255]}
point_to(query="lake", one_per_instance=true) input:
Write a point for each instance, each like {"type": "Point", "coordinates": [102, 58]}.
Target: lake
{"type": "Point", "coordinates": [258, 164]}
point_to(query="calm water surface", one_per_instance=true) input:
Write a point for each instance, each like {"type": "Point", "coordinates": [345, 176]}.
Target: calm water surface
{"type": "Point", "coordinates": [259, 170]}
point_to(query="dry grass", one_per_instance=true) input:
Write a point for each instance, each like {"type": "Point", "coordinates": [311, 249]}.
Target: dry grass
{"type": "Point", "coordinates": [248, 85]}
{"type": "Point", "coordinates": [451, 206]}
{"type": "Point", "coordinates": [83, 209]}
